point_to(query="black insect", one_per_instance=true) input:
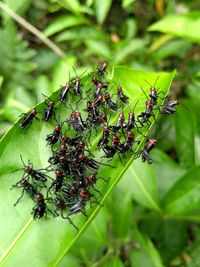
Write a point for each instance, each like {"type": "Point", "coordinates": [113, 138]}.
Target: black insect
{"type": "Point", "coordinates": [114, 148]}
{"type": "Point", "coordinates": [129, 141]}
{"type": "Point", "coordinates": [144, 117]}
{"type": "Point", "coordinates": [105, 137]}
{"type": "Point", "coordinates": [36, 175]}
{"type": "Point", "coordinates": [120, 123]}
{"type": "Point", "coordinates": [168, 108]}
{"type": "Point", "coordinates": [154, 94]}
{"type": "Point", "coordinates": [60, 205]}
{"type": "Point", "coordinates": [58, 182]}
{"type": "Point", "coordinates": [40, 208]}
{"type": "Point", "coordinates": [54, 137]}
{"type": "Point", "coordinates": [76, 84]}
{"type": "Point", "coordinates": [76, 207]}
{"type": "Point", "coordinates": [98, 89]}
{"type": "Point", "coordinates": [27, 119]}
{"type": "Point", "coordinates": [101, 70]}
{"type": "Point", "coordinates": [96, 82]}
{"type": "Point", "coordinates": [69, 141]}
{"type": "Point", "coordinates": [49, 112]}
{"type": "Point", "coordinates": [30, 189]}
{"type": "Point", "coordinates": [77, 122]}
{"type": "Point", "coordinates": [121, 95]}
{"type": "Point", "coordinates": [109, 102]}
{"type": "Point", "coordinates": [64, 91]}
{"type": "Point", "coordinates": [144, 153]}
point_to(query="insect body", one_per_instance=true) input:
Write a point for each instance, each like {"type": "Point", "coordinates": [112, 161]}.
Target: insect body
{"type": "Point", "coordinates": [150, 144]}
{"type": "Point", "coordinates": [54, 137]}
{"type": "Point", "coordinates": [121, 95]}
{"type": "Point", "coordinates": [168, 108]}
{"type": "Point", "coordinates": [40, 209]}
{"type": "Point", "coordinates": [27, 119]}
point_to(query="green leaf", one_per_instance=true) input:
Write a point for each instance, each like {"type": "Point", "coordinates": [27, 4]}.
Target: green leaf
{"type": "Point", "coordinates": [145, 253]}
{"type": "Point", "coordinates": [62, 23]}
{"type": "Point", "coordinates": [129, 48]}
{"type": "Point", "coordinates": [102, 8]}
{"type": "Point", "coordinates": [184, 124]}
{"type": "Point", "coordinates": [184, 196]}
{"type": "Point", "coordinates": [1, 81]}
{"type": "Point", "coordinates": [98, 47]}
{"type": "Point", "coordinates": [169, 236]}
{"type": "Point", "coordinates": [171, 171]}
{"type": "Point", "coordinates": [51, 238]}
{"type": "Point", "coordinates": [73, 6]}
{"type": "Point", "coordinates": [80, 33]}
{"type": "Point", "coordinates": [142, 183]}
{"type": "Point", "coordinates": [183, 25]}
{"type": "Point", "coordinates": [177, 48]}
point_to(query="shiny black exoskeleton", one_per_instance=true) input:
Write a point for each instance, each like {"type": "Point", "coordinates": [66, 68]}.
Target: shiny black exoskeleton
{"type": "Point", "coordinates": [27, 119]}
{"type": "Point", "coordinates": [150, 144]}
{"type": "Point", "coordinates": [54, 137]}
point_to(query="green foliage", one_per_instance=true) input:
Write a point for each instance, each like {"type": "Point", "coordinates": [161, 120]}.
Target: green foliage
{"type": "Point", "coordinates": [25, 227]}
{"type": "Point", "coordinates": [152, 216]}
{"type": "Point", "coordinates": [184, 25]}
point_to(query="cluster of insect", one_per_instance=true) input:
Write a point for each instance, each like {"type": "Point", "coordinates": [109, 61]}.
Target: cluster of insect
{"type": "Point", "coordinates": [68, 183]}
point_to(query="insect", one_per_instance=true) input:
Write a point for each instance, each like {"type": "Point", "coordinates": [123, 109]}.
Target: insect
{"type": "Point", "coordinates": [144, 153]}
{"type": "Point", "coordinates": [168, 108]}
{"type": "Point", "coordinates": [36, 175]}
{"type": "Point", "coordinates": [121, 95]}
{"type": "Point", "coordinates": [30, 189]}
{"type": "Point", "coordinates": [64, 91]}
{"type": "Point", "coordinates": [131, 120]}
{"type": "Point", "coordinates": [98, 89]}
{"type": "Point", "coordinates": [40, 208]}
{"type": "Point", "coordinates": [120, 123]}
{"type": "Point", "coordinates": [54, 137]}
{"type": "Point", "coordinates": [49, 112]}
{"type": "Point", "coordinates": [60, 205]}
{"type": "Point", "coordinates": [58, 182]}
{"type": "Point", "coordinates": [154, 94]}
{"type": "Point", "coordinates": [27, 119]}
{"type": "Point", "coordinates": [76, 207]}
{"type": "Point", "coordinates": [129, 141]}
{"type": "Point", "coordinates": [109, 102]}
{"type": "Point", "coordinates": [105, 137]}
{"type": "Point", "coordinates": [147, 114]}
{"type": "Point", "coordinates": [101, 70]}
{"type": "Point", "coordinates": [114, 148]}
{"type": "Point", "coordinates": [69, 141]}
{"type": "Point", "coordinates": [76, 84]}
{"type": "Point", "coordinates": [77, 122]}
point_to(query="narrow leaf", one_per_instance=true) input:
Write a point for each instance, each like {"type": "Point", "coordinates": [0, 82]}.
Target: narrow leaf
{"type": "Point", "coordinates": [102, 8]}
{"type": "Point", "coordinates": [182, 25]}
{"type": "Point", "coordinates": [62, 23]}
{"type": "Point", "coordinates": [51, 238]}
{"type": "Point", "coordinates": [184, 196]}
{"type": "Point", "coordinates": [184, 124]}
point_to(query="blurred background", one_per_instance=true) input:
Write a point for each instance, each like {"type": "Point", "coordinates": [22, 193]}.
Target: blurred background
{"type": "Point", "coordinates": [42, 40]}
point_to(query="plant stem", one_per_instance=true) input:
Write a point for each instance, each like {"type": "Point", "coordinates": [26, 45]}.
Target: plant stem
{"type": "Point", "coordinates": [32, 29]}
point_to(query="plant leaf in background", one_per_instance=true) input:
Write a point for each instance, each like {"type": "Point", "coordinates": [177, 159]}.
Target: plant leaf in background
{"type": "Point", "coordinates": [184, 196]}
{"type": "Point", "coordinates": [143, 184]}
{"type": "Point", "coordinates": [184, 123]}
{"type": "Point", "coordinates": [184, 25]}
{"type": "Point", "coordinates": [102, 8]}
{"type": "Point", "coordinates": [73, 6]}
{"type": "Point", "coordinates": [62, 23]}
{"type": "Point", "coordinates": [44, 243]}
{"type": "Point", "coordinates": [147, 255]}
